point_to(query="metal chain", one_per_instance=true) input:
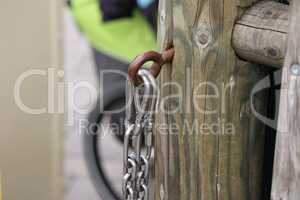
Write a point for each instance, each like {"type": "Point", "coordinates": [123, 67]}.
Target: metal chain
{"type": "Point", "coordinates": [142, 104]}
{"type": "Point", "coordinates": [142, 99]}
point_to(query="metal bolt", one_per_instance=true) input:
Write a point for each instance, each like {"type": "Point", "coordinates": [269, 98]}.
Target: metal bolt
{"type": "Point", "coordinates": [295, 69]}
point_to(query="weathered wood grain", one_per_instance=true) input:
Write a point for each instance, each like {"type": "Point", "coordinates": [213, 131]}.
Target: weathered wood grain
{"type": "Point", "coordinates": [260, 35]}
{"type": "Point", "coordinates": [165, 40]}
{"type": "Point", "coordinates": [214, 143]}
{"type": "Point", "coordinates": [286, 178]}
{"type": "Point", "coordinates": [246, 3]}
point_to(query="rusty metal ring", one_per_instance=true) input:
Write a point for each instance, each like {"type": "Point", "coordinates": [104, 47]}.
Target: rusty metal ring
{"type": "Point", "coordinates": [159, 59]}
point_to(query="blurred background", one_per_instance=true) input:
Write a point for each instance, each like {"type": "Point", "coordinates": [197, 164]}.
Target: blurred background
{"type": "Point", "coordinates": [63, 67]}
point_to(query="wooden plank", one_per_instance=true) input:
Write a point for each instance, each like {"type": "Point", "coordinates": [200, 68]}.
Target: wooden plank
{"type": "Point", "coordinates": [216, 154]}
{"type": "Point", "coordinates": [260, 35]}
{"type": "Point", "coordinates": [165, 40]}
{"type": "Point", "coordinates": [286, 178]}
{"type": "Point", "coordinates": [246, 3]}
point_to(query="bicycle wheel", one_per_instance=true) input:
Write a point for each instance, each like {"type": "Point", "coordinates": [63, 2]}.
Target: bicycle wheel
{"type": "Point", "coordinates": [104, 154]}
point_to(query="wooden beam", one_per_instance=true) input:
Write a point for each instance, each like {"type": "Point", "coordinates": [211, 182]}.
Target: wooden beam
{"type": "Point", "coordinates": [165, 39]}
{"type": "Point", "coordinates": [286, 178]}
{"type": "Point", "coordinates": [210, 144]}
{"type": "Point", "coordinates": [260, 35]}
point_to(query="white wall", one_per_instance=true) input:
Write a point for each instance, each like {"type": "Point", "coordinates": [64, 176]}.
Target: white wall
{"type": "Point", "coordinates": [30, 145]}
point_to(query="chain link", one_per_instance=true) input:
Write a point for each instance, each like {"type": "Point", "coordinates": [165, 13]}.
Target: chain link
{"type": "Point", "coordinates": [141, 107]}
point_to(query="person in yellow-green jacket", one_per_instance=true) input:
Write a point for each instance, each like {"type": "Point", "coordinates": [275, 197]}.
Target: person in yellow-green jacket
{"type": "Point", "coordinates": [120, 29]}
{"type": "Point", "coordinates": [117, 31]}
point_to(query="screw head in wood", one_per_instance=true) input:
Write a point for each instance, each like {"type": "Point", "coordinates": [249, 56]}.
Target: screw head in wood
{"type": "Point", "coordinates": [295, 69]}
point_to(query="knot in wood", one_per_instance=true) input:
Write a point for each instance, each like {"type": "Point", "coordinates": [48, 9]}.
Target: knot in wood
{"type": "Point", "coordinates": [269, 13]}
{"type": "Point", "coordinates": [272, 52]}
{"type": "Point", "coordinates": [202, 38]}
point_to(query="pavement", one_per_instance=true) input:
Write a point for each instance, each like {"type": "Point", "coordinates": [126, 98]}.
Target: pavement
{"type": "Point", "coordinates": [79, 66]}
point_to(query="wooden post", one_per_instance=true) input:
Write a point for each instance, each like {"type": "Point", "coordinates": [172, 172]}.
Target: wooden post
{"type": "Point", "coordinates": [165, 39]}
{"type": "Point", "coordinates": [286, 178]}
{"type": "Point", "coordinates": [209, 145]}
{"type": "Point", "coordinates": [260, 35]}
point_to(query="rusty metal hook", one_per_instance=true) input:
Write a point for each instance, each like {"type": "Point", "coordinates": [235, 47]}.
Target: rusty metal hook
{"type": "Point", "coordinates": [159, 59]}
